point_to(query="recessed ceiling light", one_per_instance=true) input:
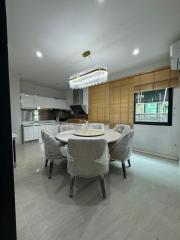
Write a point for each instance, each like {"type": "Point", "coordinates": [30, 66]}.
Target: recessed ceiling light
{"type": "Point", "coordinates": [39, 54]}
{"type": "Point", "coordinates": [135, 51]}
{"type": "Point", "coordinates": [100, 1]}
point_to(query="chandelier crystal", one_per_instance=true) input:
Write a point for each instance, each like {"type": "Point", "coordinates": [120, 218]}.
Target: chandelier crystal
{"type": "Point", "coordinates": [90, 77]}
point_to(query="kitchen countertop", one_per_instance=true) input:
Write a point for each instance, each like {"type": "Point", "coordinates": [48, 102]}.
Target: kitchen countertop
{"type": "Point", "coordinates": [51, 122]}
{"type": "Point", "coordinates": [67, 123]}
{"type": "Point", "coordinates": [33, 123]}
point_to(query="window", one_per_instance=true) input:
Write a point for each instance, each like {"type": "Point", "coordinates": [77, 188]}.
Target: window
{"type": "Point", "coordinates": [153, 107]}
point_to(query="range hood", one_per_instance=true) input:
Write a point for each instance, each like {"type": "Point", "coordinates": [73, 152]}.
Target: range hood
{"type": "Point", "coordinates": [77, 96]}
{"type": "Point", "coordinates": [78, 106]}
{"type": "Point", "coordinates": [77, 109]}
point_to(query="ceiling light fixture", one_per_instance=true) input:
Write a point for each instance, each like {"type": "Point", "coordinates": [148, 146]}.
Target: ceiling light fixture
{"type": "Point", "coordinates": [100, 1]}
{"type": "Point", "coordinates": [39, 54]}
{"type": "Point", "coordinates": [135, 51]}
{"type": "Point", "coordinates": [87, 78]}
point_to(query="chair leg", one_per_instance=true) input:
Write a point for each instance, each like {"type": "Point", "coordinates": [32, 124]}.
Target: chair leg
{"type": "Point", "coordinates": [71, 189]}
{"type": "Point", "coordinates": [124, 169]}
{"type": "Point", "coordinates": [46, 163]}
{"type": "Point", "coordinates": [103, 186]}
{"type": "Point", "coordinates": [129, 162]}
{"type": "Point", "coordinates": [50, 170]}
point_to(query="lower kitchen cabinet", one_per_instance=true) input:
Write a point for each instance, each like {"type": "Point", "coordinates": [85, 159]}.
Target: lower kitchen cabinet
{"type": "Point", "coordinates": [37, 132]}
{"type": "Point", "coordinates": [33, 132]}
{"type": "Point", "coordinates": [28, 133]}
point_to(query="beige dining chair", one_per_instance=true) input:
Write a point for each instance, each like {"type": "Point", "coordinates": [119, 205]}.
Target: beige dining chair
{"type": "Point", "coordinates": [54, 150]}
{"type": "Point", "coordinates": [64, 127]}
{"type": "Point", "coordinates": [96, 126]}
{"type": "Point", "coordinates": [87, 158]}
{"type": "Point", "coordinates": [122, 128]}
{"type": "Point", "coordinates": [121, 150]}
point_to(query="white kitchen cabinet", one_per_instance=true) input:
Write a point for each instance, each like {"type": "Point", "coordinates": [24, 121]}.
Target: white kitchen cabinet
{"type": "Point", "coordinates": [32, 102]}
{"type": "Point", "coordinates": [33, 132]}
{"type": "Point", "coordinates": [27, 101]}
{"type": "Point", "coordinates": [37, 132]}
{"type": "Point", "coordinates": [63, 104]}
{"type": "Point", "coordinates": [43, 102]}
{"type": "Point", "coordinates": [58, 103]}
{"type": "Point", "coordinates": [28, 133]}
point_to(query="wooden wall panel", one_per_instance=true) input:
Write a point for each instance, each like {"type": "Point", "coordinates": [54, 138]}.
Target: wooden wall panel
{"type": "Point", "coordinates": [121, 101]}
{"type": "Point", "coordinates": [99, 103]}
{"type": "Point", "coordinates": [114, 102]}
{"type": "Point", "coordinates": [161, 75]}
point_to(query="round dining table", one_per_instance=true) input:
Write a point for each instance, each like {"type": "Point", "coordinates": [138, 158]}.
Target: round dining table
{"type": "Point", "coordinates": [109, 135]}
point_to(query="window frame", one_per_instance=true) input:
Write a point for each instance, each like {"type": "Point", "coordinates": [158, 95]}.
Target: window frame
{"type": "Point", "coordinates": [170, 111]}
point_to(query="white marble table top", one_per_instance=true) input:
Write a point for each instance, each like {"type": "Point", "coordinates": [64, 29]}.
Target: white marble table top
{"type": "Point", "coordinates": [89, 132]}
{"type": "Point", "coordinates": [110, 136]}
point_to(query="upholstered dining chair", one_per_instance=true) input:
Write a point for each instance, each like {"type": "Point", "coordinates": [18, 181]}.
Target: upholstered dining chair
{"type": "Point", "coordinates": [87, 158]}
{"type": "Point", "coordinates": [96, 126]}
{"type": "Point", "coordinates": [64, 127]}
{"type": "Point", "coordinates": [122, 128]}
{"type": "Point", "coordinates": [121, 150]}
{"type": "Point", "coordinates": [54, 150]}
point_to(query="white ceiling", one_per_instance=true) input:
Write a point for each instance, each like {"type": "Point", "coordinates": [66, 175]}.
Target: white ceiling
{"type": "Point", "coordinates": [63, 29]}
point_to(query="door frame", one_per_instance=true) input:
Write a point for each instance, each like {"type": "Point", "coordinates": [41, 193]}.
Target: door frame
{"type": "Point", "coordinates": [7, 196]}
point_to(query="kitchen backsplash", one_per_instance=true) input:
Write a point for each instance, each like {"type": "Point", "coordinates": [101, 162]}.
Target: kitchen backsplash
{"type": "Point", "coordinates": [27, 115]}
{"type": "Point", "coordinates": [41, 115]}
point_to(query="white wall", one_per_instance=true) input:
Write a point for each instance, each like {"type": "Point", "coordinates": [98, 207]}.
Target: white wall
{"type": "Point", "coordinates": [163, 140]}
{"type": "Point", "coordinates": [179, 126]}
{"type": "Point", "coordinates": [15, 106]}
{"type": "Point", "coordinates": [85, 99]}
{"type": "Point", "coordinates": [69, 97]}
{"type": "Point", "coordinates": [36, 89]}
{"type": "Point", "coordinates": [140, 68]}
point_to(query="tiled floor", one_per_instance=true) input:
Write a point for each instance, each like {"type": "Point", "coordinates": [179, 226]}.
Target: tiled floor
{"type": "Point", "coordinates": [145, 206]}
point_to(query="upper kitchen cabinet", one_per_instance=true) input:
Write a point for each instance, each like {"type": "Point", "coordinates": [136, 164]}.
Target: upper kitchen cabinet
{"type": "Point", "coordinates": [33, 102]}
{"type": "Point", "coordinates": [28, 101]}
{"type": "Point", "coordinates": [43, 102]}
{"type": "Point", "coordinates": [59, 103]}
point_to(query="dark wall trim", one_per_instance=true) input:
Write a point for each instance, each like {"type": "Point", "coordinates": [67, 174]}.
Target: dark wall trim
{"type": "Point", "coordinates": [170, 113]}
{"type": "Point", "coordinates": [7, 199]}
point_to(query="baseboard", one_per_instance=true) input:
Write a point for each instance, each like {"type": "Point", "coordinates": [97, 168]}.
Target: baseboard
{"type": "Point", "coordinates": [155, 154]}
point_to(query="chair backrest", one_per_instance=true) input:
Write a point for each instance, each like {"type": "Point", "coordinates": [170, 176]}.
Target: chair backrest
{"type": "Point", "coordinates": [51, 146]}
{"type": "Point", "coordinates": [96, 126]}
{"type": "Point", "coordinates": [64, 127]}
{"type": "Point", "coordinates": [122, 148]}
{"type": "Point", "coordinates": [122, 128]}
{"type": "Point", "coordinates": [87, 158]}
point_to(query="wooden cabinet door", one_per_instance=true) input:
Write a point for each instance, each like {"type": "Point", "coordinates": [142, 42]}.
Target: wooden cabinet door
{"type": "Point", "coordinates": [93, 112]}
{"type": "Point", "coordinates": [124, 105]}
{"type": "Point", "coordinates": [99, 104]}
